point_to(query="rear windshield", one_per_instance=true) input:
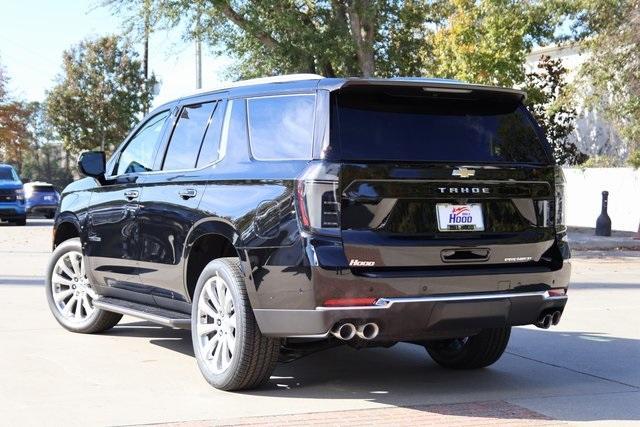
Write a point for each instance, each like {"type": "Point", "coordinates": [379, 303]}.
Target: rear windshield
{"type": "Point", "coordinates": [43, 189]}
{"type": "Point", "coordinates": [437, 127]}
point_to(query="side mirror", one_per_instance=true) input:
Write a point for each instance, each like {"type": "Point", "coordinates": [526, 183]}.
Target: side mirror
{"type": "Point", "coordinates": [92, 163]}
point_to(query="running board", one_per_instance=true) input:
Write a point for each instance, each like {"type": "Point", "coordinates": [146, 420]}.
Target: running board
{"type": "Point", "coordinates": [162, 316]}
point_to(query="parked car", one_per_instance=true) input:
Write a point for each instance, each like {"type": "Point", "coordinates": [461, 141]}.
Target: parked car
{"type": "Point", "coordinates": [12, 206]}
{"type": "Point", "coordinates": [282, 216]}
{"type": "Point", "coordinates": [41, 199]}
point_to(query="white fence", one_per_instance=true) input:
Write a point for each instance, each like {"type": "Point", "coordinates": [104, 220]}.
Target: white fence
{"type": "Point", "coordinates": [584, 189]}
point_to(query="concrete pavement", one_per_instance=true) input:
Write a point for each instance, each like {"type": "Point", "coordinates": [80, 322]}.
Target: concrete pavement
{"type": "Point", "coordinates": [586, 369]}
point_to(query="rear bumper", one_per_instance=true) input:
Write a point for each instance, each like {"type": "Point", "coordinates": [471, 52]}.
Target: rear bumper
{"type": "Point", "coordinates": [440, 314]}
{"type": "Point", "coordinates": [417, 318]}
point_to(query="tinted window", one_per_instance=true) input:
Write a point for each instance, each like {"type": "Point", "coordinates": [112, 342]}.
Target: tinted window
{"type": "Point", "coordinates": [281, 128]}
{"type": "Point", "coordinates": [418, 127]}
{"type": "Point", "coordinates": [139, 154]}
{"type": "Point", "coordinates": [43, 189]}
{"type": "Point", "coordinates": [8, 174]}
{"type": "Point", "coordinates": [187, 136]}
{"type": "Point", "coordinates": [210, 150]}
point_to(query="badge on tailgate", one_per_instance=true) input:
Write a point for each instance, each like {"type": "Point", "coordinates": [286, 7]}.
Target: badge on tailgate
{"type": "Point", "coordinates": [467, 217]}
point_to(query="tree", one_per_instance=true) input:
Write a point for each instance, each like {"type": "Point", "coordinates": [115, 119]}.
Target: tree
{"type": "Point", "coordinates": [15, 135]}
{"type": "Point", "coordinates": [481, 41]}
{"type": "Point", "coordinates": [546, 89]}
{"type": "Point", "coordinates": [99, 96]}
{"type": "Point", "coordinates": [487, 41]}
{"type": "Point", "coordinates": [331, 37]}
{"type": "Point", "coordinates": [609, 30]}
{"type": "Point", "coordinates": [45, 160]}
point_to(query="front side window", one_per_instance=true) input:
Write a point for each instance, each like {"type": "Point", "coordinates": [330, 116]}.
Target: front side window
{"type": "Point", "coordinates": [187, 136]}
{"type": "Point", "coordinates": [281, 127]}
{"type": "Point", "coordinates": [141, 150]}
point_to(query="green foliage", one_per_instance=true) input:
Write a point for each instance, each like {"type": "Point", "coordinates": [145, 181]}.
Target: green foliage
{"type": "Point", "coordinates": [482, 41]}
{"type": "Point", "coordinates": [634, 159]}
{"type": "Point", "coordinates": [45, 160]}
{"type": "Point", "coordinates": [47, 163]}
{"type": "Point", "coordinates": [600, 162]}
{"type": "Point", "coordinates": [546, 90]}
{"type": "Point", "coordinates": [487, 41]}
{"type": "Point", "coordinates": [99, 96]}
{"type": "Point", "coordinates": [610, 31]}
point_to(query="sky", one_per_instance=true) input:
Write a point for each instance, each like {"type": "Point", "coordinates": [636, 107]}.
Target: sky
{"type": "Point", "coordinates": [34, 34]}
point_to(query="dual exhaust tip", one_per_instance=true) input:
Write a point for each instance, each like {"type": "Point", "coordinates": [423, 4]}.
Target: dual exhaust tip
{"type": "Point", "coordinates": [348, 331]}
{"type": "Point", "coordinates": [545, 321]}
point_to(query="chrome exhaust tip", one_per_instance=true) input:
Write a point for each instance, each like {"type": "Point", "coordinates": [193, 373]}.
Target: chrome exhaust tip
{"type": "Point", "coordinates": [344, 332]}
{"type": "Point", "coordinates": [545, 321]}
{"type": "Point", "coordinates": [555, 317]}
{"type": "Point", "coordinates": [368, 331]}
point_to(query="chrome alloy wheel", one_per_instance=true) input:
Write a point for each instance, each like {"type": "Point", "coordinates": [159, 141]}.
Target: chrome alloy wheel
{"type": "Point", "coordinates": [72, 293]}
{"type": "Point", "coordinates": [216, 326]}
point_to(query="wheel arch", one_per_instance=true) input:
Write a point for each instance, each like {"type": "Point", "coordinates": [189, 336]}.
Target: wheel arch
{"type": "Point", "coordinates": [209, 240]}
{"type": "Point", "coordinates": [67, 226]}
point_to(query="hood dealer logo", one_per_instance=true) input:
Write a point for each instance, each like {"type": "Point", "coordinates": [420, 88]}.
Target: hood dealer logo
{"type": "Point", "coordinates": [358, 263]}
{"type": "Point", "coordinates": [460, 215]}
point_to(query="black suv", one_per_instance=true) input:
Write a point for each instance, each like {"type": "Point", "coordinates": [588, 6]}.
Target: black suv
{"type": "Point", "coordinates": [282, 216]}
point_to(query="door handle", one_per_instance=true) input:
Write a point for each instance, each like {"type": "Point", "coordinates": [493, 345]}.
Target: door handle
{"type": "Point", "coordinates": [188, 193]}
{"type": "Point", "coordinates": [131, 194]}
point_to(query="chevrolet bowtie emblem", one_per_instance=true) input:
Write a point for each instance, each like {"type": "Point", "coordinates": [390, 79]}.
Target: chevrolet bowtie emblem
{"type": "Point", "coordinates": [463, 172]}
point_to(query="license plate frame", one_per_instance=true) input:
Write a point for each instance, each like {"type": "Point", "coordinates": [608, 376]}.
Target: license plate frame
{"type": "Point", "coordinates": [468, 217]}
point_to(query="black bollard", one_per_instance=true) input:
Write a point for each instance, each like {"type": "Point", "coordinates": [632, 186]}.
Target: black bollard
{"type": "Point", "coordinates": [603, 223]}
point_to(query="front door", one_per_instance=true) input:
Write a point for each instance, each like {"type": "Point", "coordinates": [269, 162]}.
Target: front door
{"type": "Point", "coordinates": [169, 205]}
{"type": "Point", "coordinates": [112, 242]}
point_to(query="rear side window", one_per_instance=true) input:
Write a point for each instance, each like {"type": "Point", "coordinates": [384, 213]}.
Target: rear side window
{"type": "Point", "coordinates": [281, 127]}
{"type": "Point", "coordinates": [187, 136]}
{"type": "Point", "coordinates": [410, 126]}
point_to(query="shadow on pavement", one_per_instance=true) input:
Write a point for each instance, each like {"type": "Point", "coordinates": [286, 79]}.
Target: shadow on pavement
{"type": "Point", "coordinates": [31, 222]}
{"type": "Point", "coordinates": [538, 365]}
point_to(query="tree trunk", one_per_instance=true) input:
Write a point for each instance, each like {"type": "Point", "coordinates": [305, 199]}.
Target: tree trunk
{"type": "Point", "coordinates": [362, 18]}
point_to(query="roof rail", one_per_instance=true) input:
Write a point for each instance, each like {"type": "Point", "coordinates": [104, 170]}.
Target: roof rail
{"type": "Point", "coordinates": [260, 80]}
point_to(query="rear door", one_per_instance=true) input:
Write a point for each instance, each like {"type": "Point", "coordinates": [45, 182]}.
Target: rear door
{"type": "Point", "coordinates": [169, 206]}
{"type": "Point", "coordinates": [436, 179]}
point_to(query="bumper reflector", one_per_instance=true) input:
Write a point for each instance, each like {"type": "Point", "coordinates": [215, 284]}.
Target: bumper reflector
{"type": "Point", "coordinates": [349, 302]}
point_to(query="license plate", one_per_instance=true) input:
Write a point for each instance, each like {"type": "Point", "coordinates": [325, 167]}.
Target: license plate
{"type": "Point", "coordinates": [467, 217]}
{"type": "Point", "coordinates": [48, 197]}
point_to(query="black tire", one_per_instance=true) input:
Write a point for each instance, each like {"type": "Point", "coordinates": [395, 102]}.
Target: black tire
{"type": "Point", "coordinates": [21, 221]}
{"type": "Point", "coordinates": [98, 321]}
{"type": "Point", "coordinates": [255, 355]}
{"type": "Point", "coordinates": [473, 352]}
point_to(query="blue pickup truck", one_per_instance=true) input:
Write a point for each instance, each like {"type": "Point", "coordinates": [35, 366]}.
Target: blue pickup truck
{"type": "Point", "coordinates": [12, 203]}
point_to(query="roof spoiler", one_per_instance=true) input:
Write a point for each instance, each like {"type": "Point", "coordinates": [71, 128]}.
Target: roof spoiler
{"type": "Point", "coordinates": [428, 85]}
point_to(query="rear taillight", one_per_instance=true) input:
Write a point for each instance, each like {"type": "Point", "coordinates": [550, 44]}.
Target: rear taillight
{"type": "Point", "coordinates": [559, 200]}
{"type": "Point", "coordinates": [317, 199]}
